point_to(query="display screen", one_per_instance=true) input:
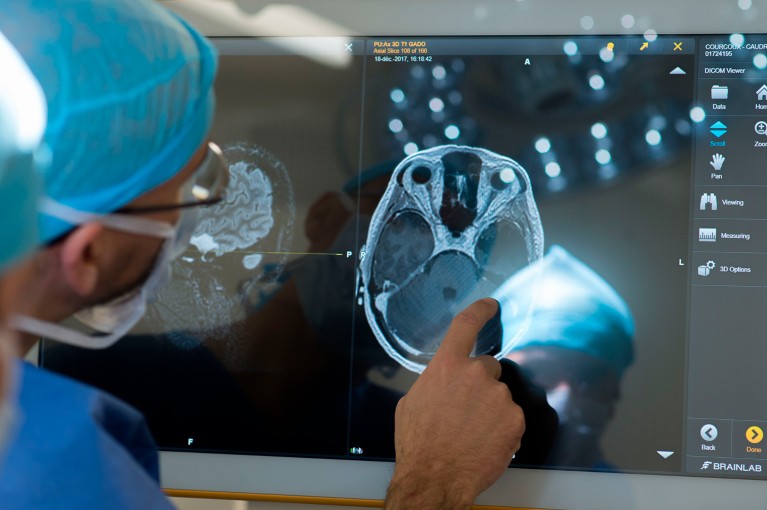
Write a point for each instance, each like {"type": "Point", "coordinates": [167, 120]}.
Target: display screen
{"type": "Point", "coordinates": [605, 190]}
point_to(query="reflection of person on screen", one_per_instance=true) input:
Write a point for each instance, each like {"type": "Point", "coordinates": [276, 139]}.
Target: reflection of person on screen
{"type": "Point", "coordinates": [458, 427]}
{"type": "Point", "coordinates": [578, 345]}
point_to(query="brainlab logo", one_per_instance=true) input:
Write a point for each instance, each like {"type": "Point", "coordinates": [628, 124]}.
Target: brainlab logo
{"type": "Point", "coordinates": [724, 466]}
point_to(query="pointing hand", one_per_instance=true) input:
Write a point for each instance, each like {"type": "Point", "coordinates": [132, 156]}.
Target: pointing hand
{"type": "Point", "coordinates": [457, 428]}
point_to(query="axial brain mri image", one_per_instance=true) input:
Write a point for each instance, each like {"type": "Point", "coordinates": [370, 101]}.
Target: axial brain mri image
{"type": "Point", "coordinates": [455, 224]}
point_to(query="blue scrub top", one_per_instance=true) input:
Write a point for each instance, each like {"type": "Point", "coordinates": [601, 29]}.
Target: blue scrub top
{"type": "Point", "coordinates": [78, 448]}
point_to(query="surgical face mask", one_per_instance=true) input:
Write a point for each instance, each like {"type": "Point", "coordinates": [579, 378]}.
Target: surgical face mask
{"type": "Point", "coordinates": [118, 316]}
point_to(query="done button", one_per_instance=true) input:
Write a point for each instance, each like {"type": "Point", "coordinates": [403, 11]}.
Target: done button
{"type": "Point", "coordinates": [754, 434]}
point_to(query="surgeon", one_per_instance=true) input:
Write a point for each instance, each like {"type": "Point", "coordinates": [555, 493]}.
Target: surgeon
{"type": "Point", "coordinates": [22, 120]}
{"type": "Point", "coordinates": [130, 102]}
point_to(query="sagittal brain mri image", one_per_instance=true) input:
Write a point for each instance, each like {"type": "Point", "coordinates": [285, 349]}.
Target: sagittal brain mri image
{"type": "Point", "coordinates": [230, 235]}
{"type": "Point", "coordinates": [454, 225]}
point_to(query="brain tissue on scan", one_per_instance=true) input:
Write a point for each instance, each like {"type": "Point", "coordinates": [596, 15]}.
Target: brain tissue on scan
{"type": "Point", "coordinates": [241, 220]}
{"type": "Point", "coordinates": [224, 270]}
{"type": "Point", "coordinates": [454, 225]}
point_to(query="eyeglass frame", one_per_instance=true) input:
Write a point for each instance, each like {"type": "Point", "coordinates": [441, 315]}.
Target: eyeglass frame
{"type": "Point", "coordinates": [214, 156]}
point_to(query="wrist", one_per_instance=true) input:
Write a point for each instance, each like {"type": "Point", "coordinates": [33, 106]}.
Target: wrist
{"type": "Point", "coordinates": [425, 490]}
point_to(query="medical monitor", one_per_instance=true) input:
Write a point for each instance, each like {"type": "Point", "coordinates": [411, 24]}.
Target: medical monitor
{"type": "Point", "coordinates": [596, 167]}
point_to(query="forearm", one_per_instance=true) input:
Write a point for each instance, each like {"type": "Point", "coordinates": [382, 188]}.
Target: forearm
{"type": "Point", "coordinates": [458, 427]}
{"type": "Point", "coordinates": [425, 491]}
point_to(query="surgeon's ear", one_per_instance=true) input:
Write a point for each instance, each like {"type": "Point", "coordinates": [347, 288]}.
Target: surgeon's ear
{"type": "Point", "coordinates": [79, 262]}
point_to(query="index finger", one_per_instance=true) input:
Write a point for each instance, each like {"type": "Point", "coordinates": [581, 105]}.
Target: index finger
{"type": "Point", "coordinates": [461, 337]}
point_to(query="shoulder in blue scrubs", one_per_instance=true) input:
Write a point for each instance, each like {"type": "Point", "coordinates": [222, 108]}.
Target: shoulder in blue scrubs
{"type": "Point", "coordinates": [78, 448]}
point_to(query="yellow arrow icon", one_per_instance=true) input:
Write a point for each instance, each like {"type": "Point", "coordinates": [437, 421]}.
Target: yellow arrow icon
{"type": "Point", "coordinates": [754, 434]}
{"type": "Point", "coordinates": [644, 46]}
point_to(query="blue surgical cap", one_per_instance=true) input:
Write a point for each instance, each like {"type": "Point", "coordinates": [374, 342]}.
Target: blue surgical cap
{"type": "Point", "coordinates": [574, 309]}
{"type": "Point", "coordinates": [22, 121]}
{"type": "Point", "coordinates": [129, 88]}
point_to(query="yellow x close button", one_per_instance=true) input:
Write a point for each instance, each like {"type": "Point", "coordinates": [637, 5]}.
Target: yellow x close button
{"type": "Point", "coordinates": [754, 434]}
{"type": "Point", "coordinates": [678, 46]}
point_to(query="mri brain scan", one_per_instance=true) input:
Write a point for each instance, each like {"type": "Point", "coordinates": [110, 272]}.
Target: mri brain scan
{"type": "Point", "coordinates": [455, 224]}
{"type": "Point", "coordinates": [236, 253]}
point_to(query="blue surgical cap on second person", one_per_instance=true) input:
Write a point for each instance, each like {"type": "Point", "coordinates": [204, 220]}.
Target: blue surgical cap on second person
{"type": "Point", "coordinates": [129, 88]}
{"type": "Point", "coordinates": [22, 121]}
{"type": "Point", "coordinates": [575, 309]}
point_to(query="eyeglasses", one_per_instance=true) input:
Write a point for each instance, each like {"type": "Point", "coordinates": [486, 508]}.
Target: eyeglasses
{"type": "Point", "coordinates": [206, 186]}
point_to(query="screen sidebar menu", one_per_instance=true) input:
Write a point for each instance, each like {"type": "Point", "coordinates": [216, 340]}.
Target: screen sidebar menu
{"type": "Point", "coordinates": [727, 380]}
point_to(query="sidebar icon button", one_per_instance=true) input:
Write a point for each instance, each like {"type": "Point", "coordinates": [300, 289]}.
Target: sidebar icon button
{"type": "Point", "coordinates": [717, 161]}
{"type": "Point", "coordinates": [709, 432]}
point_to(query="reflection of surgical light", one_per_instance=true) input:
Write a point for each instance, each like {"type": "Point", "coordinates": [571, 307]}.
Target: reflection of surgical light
{"type": "Point", "coordinates": [737, 39]}
{"type": "Point", "coordinates": [543, 145]}
{"type": "Point", "coordinates": [587, 22]}
{"type": "Point", "coordinates": [588, 90]}
{"type": "Point", "coordinates": [608, 172]}
{"type": "Point", "coordinates": [597, 82]}
{"type": "Point", "coordinates": [565, 159]}
{"type": "Point", "coordinates": [426, 109]}
{"type": "Point", "coordinates": [682, 127]}
{"type": "Point", "coordinates": [607, 55]}
{"type": "Point", "coordinates": [628, 21]}
{"type": "Point", "coordinates": [603, 156]}
{"type": "Point", "coordinates": [507, 175]}
{"type": "Point", "coordinates": [436, 105]}
{"type": "Point", "coordinates": [395, 125]}
{"type": "Point", "coordinates": [760, 61]}
{"type": "Point", "coordinates": [200, 192]}
{"type": "Point", "coordinates": [599, 130]}
{"type": "Point", "coordinates": [570, 48]}
{"type": "Point", "coordinates": [452, 132]}
{"type": "Point", "coordinates": [455, 97]}
{"type": "Point", "coordinates": [553, 169]}
{"type": "Point", "coordinates": [417, 72]}
{"type": "Point", "coordinates": [653, 137]}
{"type": "Point", "coordinates": [650, 35]}
{"type": "Point", "coordinates": [556, 185]}
{"type": "Point", "coordinates": [697, 114]}
{"type": "Point", "coordinates": [658, 122]}
{"type": "Point", "coordinates": [744, 4]}
{"type": "Point", "coordinates": [429, 141]}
